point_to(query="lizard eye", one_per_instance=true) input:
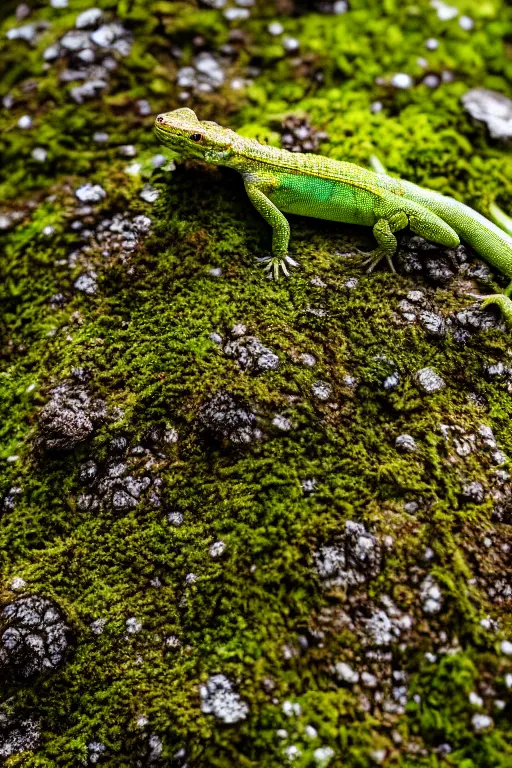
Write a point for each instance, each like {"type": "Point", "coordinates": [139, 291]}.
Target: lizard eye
{"type": "Point", "coordinates": [196, 137]}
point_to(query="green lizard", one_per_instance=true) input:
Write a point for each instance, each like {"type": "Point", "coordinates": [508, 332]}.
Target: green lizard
{"type": "Point", "coordinates": [279, 181]}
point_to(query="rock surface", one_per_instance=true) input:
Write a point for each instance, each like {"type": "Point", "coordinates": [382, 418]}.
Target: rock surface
{"type": "Point", "coordinates": [247, 522]}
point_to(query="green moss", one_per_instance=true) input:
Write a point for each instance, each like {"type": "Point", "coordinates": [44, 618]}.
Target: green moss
{"type": "Point", "coordinates": [145, 339]}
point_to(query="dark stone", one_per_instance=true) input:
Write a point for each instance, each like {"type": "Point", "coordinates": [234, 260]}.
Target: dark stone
{"type": "Point", "coordinates": [34, 637]}
{"type": "Point", "coordinates": [69, 418]}
{"type": "Point", "coordinates": [225, 418]}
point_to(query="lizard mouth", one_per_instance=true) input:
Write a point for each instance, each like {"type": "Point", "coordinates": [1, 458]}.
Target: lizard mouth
{"type": "Point", "coordinates": [162, 131]}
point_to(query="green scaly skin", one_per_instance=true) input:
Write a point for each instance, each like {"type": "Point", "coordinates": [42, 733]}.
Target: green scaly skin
{"type": "Point", "coordinates": [278, 181]}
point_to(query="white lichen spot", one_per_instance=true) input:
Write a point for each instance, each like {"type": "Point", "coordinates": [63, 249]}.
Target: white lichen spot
{"type": "Point", "coordinates": [133, 625]}
{"type": "Point", "coordinates": [430, 593]}
{"type": "Point", "coordinates": [475, 700]}
{"type": "Point", "coordinates": [25, 122]}
{"type": "Point", "coordinates": [98, 625]}
{"type": "Point", "coordinates": [481, 722]}
{"type": "Point", "coordinates": [219, 699]}
{"type": "Point", "coordinates": [90, 193]}
{"type": "Point", "coordinates": [345, 672]}
{"type": "Point", "coordinates": [321, 390]}
{"type": "Point", "coordinates": [291, 708]}
{"type": "Point", "coordinates": [292, 752]}
{"type": "Point", "coordinates": [217, 548]}
{"type": "Point", "coordinates": [150, 194]}
{"type": "Point", "coordinates": [323, 755]}
{"type": "Point", "coordinates": [402, 80]}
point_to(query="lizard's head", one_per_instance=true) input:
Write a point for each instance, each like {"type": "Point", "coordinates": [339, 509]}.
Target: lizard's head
{"type": "Point", "coordinates": [191, 138]}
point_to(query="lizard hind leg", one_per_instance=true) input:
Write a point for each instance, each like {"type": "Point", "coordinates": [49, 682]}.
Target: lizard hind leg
{"type": "Point", "coordinates": [383, 232]}
{"type": "Point", "coordinates": [503, 302]}
{"type": "Point", "coordinates": [425, 223]}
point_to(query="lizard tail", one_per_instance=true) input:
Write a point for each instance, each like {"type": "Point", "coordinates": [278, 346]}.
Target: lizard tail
{"type": "Point", "coordinates": [488, 240]}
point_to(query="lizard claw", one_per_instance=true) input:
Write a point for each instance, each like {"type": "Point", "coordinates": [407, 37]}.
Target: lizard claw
{"type": "Point", "coordinates": [272, 265]}
{"type": "Point", "coordinates": [370, 259]}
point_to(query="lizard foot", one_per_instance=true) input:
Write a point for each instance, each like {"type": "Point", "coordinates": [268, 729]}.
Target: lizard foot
{"type": "Point", "coordinates": [502, 300]}
{"type": "Point", "coordinates": [370, 259]}
{"type": "Point", "coordinates": [272, 265]}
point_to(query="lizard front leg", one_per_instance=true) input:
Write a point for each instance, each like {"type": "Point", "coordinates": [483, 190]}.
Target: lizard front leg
{"type": "Point", "coordinates": [280, 230]}
{"type": "Point", "coordinates": [383, 232]}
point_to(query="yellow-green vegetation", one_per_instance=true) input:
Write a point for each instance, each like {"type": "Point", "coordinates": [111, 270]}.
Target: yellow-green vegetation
{"type": "Point", "coordinates": [273, 519]}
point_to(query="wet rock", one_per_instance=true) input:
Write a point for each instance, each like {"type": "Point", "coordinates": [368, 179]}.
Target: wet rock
{"type": "Point", "coordinates": [473, 492]}
{"type": "Point", "coordinates": [298, 135]}
{"type": "Point", "coordinates": [217, 548]}
{"type": "Point", "coordinates": [27, 32]}
{"type": "Point", "coordinates": [25, 122]}
{"type": "Point", "coordinates": [69, 417]}
{"type": "Point", "coordinates": [175, 519]}
{"type": "Point", "coordinates": [88, 472]}
{"type": "Point", "coordinates": [406, 443]}
{"type": "Point", "coordinates": [251, 354]}
{"type": "Point", "coordinates": [11, 498]}
{"type": "Point", "coordinates": [391, 381]}
{"type": "Point", "coordinates": [429, 381]}
{"type": "Point", "coordinates": [430, 593]}
{"type": "Point", "coordinates": [402, 80]}
{"type": "Point", "coordinates": [206, 75]}
{"type": "Point", "coordinates": [143, 107]}
{"type": "Point", "coordinates": [492, 108]}
{"type": "Point", "coordinates": [275, 29]}
{"type": "Point", "coordinates": [89, 18]}
{"type": "Point", "coordinates": [75, 41]}
{"type": "Point", "coordinates": [321, 390]}
{"type": "Point", "coordinates": [108, 34]}
{"type": "Point", "coordinates": [149, 194]}
{"type": "Point", "coordinates": [345, 673]}
{"type": "Point", "coordinates": [89, 90]}
{"type": "Point", "coordinates": [481, 722]}
{"type": "Point", "coordinates": [433, 323]}
{"type": "Point", "coordinates": [90, 193]}
{"type": "Point", "coordinates": [225, 418]}
{"type": "Point", "coordinates": [475, 319]}
{"type": "Point", "coordinates": [439, 270]}
{"type": "Point", "coordinates": [282, 423]}
{"type": "Point", "coordinates": [87, 283]}
{"type": "Point", "coordinates": [219, 699]}
{"type": "Point", "coordinates": [416, 297]}
{"type": "Point", "coordinates": [17, 735]}
{"type": "Point", "coordinates": [34, 637]}
{"type": "Point", "coordinates": [350, 561]}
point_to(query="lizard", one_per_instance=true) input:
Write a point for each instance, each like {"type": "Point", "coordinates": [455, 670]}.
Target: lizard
{"type": "Point", "coordinates": [278, 181]}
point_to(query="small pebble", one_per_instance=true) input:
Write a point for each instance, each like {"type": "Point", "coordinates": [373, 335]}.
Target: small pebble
{"type": "Point", "coordinates": [406, 443]}
{"type": "Point", "coordinates": [90, 193]}
{"type": "Point", "coordinates": [290, 44]}
{"type": "Point", "coordinates": [321, 390]}
{"type": "Point", "coordinates": [217, 548]}
{"type": "Point", "coordinates": [25, 122]}
{"type": "Point", "coordinates": [429, 380]}
{"type": "Point", "coordinates": [39, 154]}
{"type": "Point", "coordinates": [236, 14]}
{"type": "Point", "coordinates": [275, 28]}
{"type": "Point", "coordinates": [481, 722]}
{"type": "Point", "coordinates": [466, 23]}
{"type": "Point", "coordinates": [402, 80]}
{"type": "Point", "coordinates": [150, 194]}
